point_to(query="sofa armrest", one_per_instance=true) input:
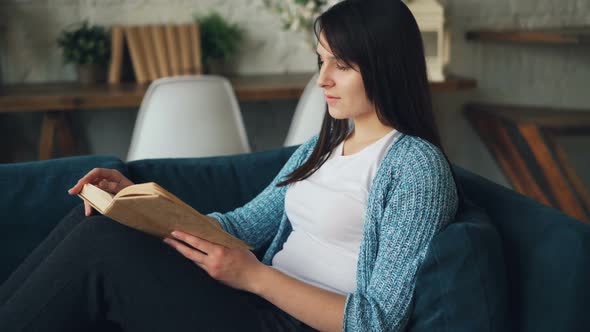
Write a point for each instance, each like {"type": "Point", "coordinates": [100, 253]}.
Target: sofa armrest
{"type": "Point", "coordinates": [35, 198]}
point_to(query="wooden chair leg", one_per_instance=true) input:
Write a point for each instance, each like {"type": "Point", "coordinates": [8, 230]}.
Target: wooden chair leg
{"type": "Point", "coordinates": [64, 135]}
{"type": "Point", "coordinates": [48, 127]}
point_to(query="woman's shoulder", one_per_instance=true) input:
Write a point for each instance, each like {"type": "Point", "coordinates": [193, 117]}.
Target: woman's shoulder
{"type": "Point", "coordinates": [414, 155]}
{"type": "Point", "coordinates": [420, 165]}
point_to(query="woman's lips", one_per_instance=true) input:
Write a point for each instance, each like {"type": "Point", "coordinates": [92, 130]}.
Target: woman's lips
{"type": "Point", "coordinates": [331, 99]}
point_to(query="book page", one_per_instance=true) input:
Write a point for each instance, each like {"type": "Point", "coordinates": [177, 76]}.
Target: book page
{"type": "Point", "coordinates": [96, 197]}
{"type": "Point", "coordinates": [148, 188]}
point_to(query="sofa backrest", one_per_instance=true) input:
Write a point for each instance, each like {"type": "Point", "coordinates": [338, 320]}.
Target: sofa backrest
{"type": "Point", "coordinates": [546, 255]}
{"type": "Point", "coordinates": [34, 198]}
{"type": "Point", "coordinates": [211, 184]}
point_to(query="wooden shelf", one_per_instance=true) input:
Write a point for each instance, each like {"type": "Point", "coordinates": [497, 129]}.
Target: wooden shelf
{"type": "Point", "coordinates": [453, 84]}
{"type": "Point", "coordinates": [56, 99]}
{"type": "Point", "coordinates": [557, 36]}
{"type": "Point", "coordinates": [67, 96]}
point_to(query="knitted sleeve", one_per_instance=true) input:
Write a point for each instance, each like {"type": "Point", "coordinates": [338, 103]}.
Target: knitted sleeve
{"type": "Point", "coordinates": [417, 207]}
{"type": "Point", "coordinates": [257, 221]}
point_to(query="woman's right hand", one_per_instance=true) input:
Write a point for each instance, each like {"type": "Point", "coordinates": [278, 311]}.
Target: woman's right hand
{"type": "Point", "coordinates": [109, 180]}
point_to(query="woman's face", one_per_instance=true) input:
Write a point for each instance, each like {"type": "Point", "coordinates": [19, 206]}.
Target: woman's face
{"type": "Point", "coordinates": [343, 86]}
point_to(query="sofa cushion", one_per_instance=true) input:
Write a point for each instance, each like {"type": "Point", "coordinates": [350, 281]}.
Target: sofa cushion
{"type": "Point", "coordinates": [546, 258]}
{"type": "Point", "coordinates": [461, 285]}
{"type": "Point", "coordinates": [34, 198]}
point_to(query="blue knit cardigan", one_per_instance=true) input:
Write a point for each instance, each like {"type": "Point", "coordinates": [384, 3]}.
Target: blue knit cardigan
{"type": "Point", "coordinates": [412, 197]}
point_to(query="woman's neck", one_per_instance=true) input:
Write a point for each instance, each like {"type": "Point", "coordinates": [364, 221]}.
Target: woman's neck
{"type": "Point", "coordinates": [368, 130]}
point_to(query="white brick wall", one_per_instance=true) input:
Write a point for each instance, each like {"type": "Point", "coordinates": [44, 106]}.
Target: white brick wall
{"type": "Point", "coordinates": [524, 74]}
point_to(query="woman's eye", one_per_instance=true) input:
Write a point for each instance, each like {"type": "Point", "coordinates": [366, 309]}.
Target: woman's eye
{"type": "Point", "coordinates": [341, 67]}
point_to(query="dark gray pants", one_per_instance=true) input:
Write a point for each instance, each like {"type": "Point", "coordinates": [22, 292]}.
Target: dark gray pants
{"type": "Point", "coordinates": [92, 273]}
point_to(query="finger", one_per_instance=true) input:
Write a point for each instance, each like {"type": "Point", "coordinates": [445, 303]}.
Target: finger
{"type": "Point", "coordinates": [114, 181]}
{"type": "Point", "coordinates": [112, 175]}
{"type": "Point", "coordinates": [190, 253]}
{"type": "Point", "coordinates": [195, 242]}
{"type": "Point", "coordinates": [87, 209]}
{"type": "Point", "coordinates": [109, 186]}
{"type": "Point", "coordinates": [95, 176]}
{"type": "Point", "coordinates": [90, 177]}
{"type": "Point", "coordinates": [202, 266]}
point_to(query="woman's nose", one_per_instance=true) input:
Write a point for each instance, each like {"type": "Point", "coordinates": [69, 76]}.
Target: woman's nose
{"type": "Point", "coordinates": [324, 81]}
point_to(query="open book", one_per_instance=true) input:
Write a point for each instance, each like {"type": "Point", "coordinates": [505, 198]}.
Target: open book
{"type": "Point", "coordinates": [151, 209]}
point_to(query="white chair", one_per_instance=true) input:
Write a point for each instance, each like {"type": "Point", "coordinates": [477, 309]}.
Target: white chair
{"type": "Point", "coordinates": [308, 115]}
{"type": "Point", "coordinates": [188, 116]}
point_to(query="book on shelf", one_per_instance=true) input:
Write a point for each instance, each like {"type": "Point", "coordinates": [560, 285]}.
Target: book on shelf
{"type": "Point", "coordinates": [149, 52]}
{"type": "Point", "coordinates": [117, 45]}
{"type": "Point", "coordinates": [159, 41]}
{"type": "Point", "coordinates": [195, 35]}
{"type": "Point", "coordinates": [137, 54]}
{"type": "Point", "coordinates": [172, 47]}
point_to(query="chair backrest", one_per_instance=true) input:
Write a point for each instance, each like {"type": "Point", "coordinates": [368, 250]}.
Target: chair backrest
{"type": "Point", "coordinates": [309, 114]}
{"type": "Point", "coordinates": [188, 116]}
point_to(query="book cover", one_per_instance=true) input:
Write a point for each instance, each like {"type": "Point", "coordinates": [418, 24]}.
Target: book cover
{"type": "Point", "coordinates": [149, 52]}
{"type": "Point", "coordinates": [195, 36]}
{"type": "Point", "coordinates": [172, 48]}
{"type": "Point", "coordinates": [149, 208]}
{"type": "Point", "coordinates": [116, 63]}
{"type": "Point", "coordinates": [137, 56]}
{"type": "Point", "coordinates": [186, 62]}
{"type": "Point", "coordinates": [159, 41]}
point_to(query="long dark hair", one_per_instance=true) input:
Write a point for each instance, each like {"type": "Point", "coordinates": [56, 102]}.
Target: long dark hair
{"type": "Point", "coordinates": [382, 38]}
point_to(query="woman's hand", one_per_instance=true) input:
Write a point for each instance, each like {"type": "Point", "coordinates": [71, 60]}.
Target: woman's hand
{"type": "Point", "coordinates": [109, 180]}
{"type": "Point", "coordinates": [237, 268]}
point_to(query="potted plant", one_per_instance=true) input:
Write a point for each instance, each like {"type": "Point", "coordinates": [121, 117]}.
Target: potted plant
{"type": "Point", "coordinates": [219, 42]}
{"type": "Point", "coordinates": [299, 15]}
{"type": "Point", "coordinates": [89, 48]}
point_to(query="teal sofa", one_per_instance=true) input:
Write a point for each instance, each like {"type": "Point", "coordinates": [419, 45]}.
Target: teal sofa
{"type": "Point", "coordinates": [507, 263]}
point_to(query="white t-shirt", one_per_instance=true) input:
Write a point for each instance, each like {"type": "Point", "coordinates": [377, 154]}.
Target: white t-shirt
{"type": "Point", "coordinates": [326, 211]}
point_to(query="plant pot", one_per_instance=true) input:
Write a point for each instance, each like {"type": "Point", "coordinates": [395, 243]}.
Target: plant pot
{"type": "Point", "coordinates": [91, 73]}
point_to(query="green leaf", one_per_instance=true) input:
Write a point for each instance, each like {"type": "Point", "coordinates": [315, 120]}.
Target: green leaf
{"type": "Point", "coordinates": [219, 38]}
{"type": "Point", "coordinates": [83, 43]}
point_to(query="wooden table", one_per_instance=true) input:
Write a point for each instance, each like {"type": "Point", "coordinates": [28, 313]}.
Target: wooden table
{"type": "Point", "coordinates": [58, 98]}
{"type": "Point", "coordinates": [523, 142]}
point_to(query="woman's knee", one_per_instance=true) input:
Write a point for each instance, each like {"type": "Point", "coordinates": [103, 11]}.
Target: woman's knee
{"type": "Point", "coordinates": [76, 214]}
{"type": "Point", "coordinates": [99, 226]}
{"type": "Point", "coordinates": [106, 235]}
{"type": "Point", "coordinates": [72, 219]}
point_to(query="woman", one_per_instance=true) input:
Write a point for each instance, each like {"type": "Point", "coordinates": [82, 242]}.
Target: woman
{"type": "Point", "coordinates": [349, 218]}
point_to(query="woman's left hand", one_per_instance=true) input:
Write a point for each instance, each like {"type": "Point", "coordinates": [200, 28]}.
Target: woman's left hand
{"type": "Point", "coordinates": [237, 268]}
